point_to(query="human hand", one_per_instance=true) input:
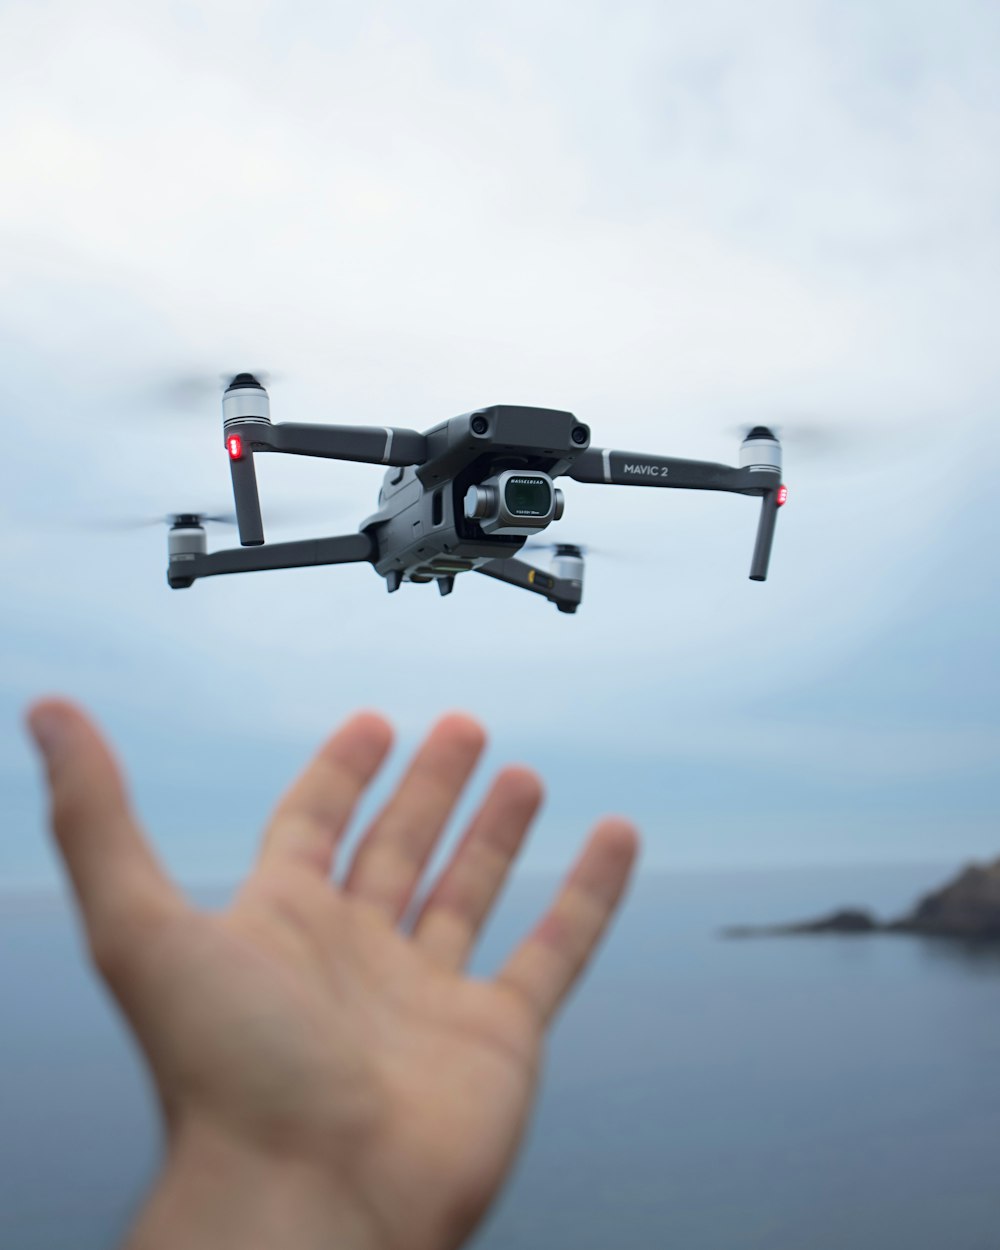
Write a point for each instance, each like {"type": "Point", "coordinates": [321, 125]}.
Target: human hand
{"type": "Point", "coordinates": [327, 1077]}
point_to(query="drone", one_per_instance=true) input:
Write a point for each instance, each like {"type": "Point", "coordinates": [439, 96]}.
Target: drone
{"type": "Point", "coordinates": [464, 497]}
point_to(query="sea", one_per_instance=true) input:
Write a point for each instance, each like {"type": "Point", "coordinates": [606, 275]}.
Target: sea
{"type": "Point", "coordinates": [700, 1092]}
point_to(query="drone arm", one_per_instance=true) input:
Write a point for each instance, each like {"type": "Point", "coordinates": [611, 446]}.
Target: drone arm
{"type": "Point", "coordinates": [247, 500]}
{"type": "Point", "coordinates": [769, 506]}
{"type": "Point", "coordinates": [345, 549]}
{"type": "Point", "coordinates": [564, 592]}
{"type": "Point", "coordinates": [626, 468]}
{"type": "Point", "coordinates": [245, 436]}
{"type": "Point", "coordinates": [367, 444]}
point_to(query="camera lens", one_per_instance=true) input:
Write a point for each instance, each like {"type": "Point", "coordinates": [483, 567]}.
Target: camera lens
{"type": "Point", "coordinates": [480, 425]}
{"type": "Point", "coordinates": [580, 434]}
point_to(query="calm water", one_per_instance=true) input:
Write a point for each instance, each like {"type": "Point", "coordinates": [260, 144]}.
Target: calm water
{"type": "Point", "coordinates": [780, 1094]}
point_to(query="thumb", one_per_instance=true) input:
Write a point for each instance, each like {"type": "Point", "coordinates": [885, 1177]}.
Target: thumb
{"type": "Point", "coordinates": [114, 872]}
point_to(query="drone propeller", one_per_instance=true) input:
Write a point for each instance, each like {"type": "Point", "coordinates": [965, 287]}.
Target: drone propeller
{"type": "Point", "coordinates": [567, 549]}
{"type": "Point", "coordinates": [188, 392]}
{"type": "Point", "coordinates": [171, 518]}
{"type": "Point", "coordinates": [275, 516]}
{"type": "Point", "coordinates": [821, 440]}
{"type": "Point", "coordinates": [581, 549]}
{"type": "Point", "coordinates": [811, 439]}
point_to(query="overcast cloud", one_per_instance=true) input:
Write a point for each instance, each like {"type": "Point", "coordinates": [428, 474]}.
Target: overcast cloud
{"type": "Point", "coordinates": [669, 222]}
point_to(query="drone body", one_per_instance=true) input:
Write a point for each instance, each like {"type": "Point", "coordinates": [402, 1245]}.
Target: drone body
{"type": "Point", "coordinates": [463, 497]}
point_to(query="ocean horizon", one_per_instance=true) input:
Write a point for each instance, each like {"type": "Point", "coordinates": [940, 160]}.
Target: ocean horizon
{"type": "Point", "coordinates": [788, 1093]}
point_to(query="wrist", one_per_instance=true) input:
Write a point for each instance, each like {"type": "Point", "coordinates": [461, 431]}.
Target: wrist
{"type": "Point", "coordinates": [217, 1193]}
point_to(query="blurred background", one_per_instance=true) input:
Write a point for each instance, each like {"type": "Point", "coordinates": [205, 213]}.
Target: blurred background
{"type": "Point", "coordinates": [672, 222]}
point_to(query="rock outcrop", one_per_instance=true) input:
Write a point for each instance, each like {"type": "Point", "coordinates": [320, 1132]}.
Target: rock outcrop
{"type": "Point", "coordinates": [967, 907]}
{"type": "Point", "coordinates": [848, 920]}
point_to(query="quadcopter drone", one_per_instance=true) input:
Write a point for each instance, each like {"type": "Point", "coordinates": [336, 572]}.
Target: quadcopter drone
{"type": "Point", "coordinates": [466, 496]}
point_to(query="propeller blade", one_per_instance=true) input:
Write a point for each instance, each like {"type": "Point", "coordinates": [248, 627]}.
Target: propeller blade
{"type": "Point", "coordinates": [170, 518]}
{"type": "Point", "coordinates": [190, 392]}
{"type": "Point", "coordinates": [584, 549]}
{"type": "Point", "coordinates": [282, 514]}
{"type": "Point", "coordinates": [821, 439]}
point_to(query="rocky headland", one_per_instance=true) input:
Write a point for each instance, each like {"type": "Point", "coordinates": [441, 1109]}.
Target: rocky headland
{"type": "Point", "coordinates": [966, 907]}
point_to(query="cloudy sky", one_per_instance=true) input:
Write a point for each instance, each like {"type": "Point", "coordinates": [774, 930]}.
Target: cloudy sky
{"type": "Point", "coordinates": [667, 220]}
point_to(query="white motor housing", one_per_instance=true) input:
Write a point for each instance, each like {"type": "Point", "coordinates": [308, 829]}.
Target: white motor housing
{"type": "Point", "coordinates": [760, 451]}
{"type": "Point", "coordinates": [245, 400]}
{"type": "Point", "coordinates": [186, 539]}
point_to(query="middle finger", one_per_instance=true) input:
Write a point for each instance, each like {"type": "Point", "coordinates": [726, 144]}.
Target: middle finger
{"type": "Point", "coordinates": [397, 845]}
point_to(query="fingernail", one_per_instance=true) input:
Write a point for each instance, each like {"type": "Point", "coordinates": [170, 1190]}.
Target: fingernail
{"type": "Point", "coordinates": [48, 729]}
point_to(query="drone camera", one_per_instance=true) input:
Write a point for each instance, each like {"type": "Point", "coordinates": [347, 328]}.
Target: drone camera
{"type": "Point", "coordinates": [514, 502]}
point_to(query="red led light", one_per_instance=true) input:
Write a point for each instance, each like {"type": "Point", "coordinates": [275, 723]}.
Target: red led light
{"type": "Point", "coordinates": [234, 445]}
{"type": "Point", "coordinates": [782, 495]}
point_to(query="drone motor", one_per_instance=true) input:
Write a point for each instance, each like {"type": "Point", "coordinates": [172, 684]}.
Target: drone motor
{"type": "Point", "coordinates": [760, 451]}
{"type": "Point", "coordinates": [186, 537]}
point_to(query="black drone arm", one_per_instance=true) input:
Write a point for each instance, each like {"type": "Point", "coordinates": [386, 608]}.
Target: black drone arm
{"type": "Point", "coordinates": [769, 506]}
{"type": "Point", "coordinates": [345, 549]}
{"type": "Point", "coordinates": [344, 442]}
{"type": "Point", "coordinates": [564, 592]}
{"type": "Point", "coordinates": [248, 434]}
{"type": "Point", "coordinates": [625, 468]}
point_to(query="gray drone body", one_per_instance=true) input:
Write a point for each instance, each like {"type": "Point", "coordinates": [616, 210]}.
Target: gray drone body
{"type": "Point", "coordinates": [465, 496]}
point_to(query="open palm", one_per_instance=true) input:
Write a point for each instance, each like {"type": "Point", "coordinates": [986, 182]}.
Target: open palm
{"type": "Point", "coordinates": [307, 1021]}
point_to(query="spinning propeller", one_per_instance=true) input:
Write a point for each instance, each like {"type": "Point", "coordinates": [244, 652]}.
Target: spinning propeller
{"type": "Point", "coordinates": [173, 519]}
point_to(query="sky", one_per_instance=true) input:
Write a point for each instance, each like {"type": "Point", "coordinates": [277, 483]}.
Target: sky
{"type": "Point", "coordinates": [671, 222]}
